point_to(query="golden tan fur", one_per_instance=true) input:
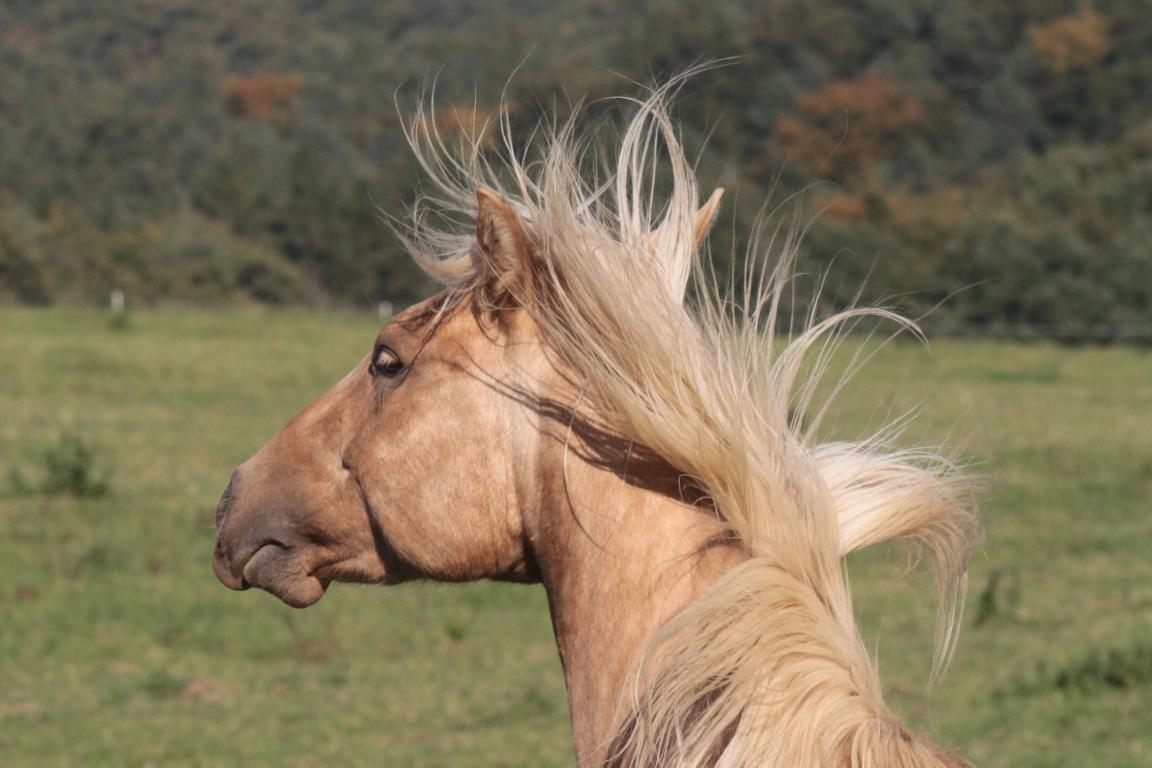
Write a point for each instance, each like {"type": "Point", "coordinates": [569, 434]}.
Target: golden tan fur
{"type": "Point", "coordinates": [563, 415]}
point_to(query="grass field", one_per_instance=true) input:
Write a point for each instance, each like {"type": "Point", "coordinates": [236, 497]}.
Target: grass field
{"type": "Point", "coordinates": [119, 648]}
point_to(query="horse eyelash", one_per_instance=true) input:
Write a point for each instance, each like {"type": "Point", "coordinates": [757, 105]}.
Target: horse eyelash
{"type": "Point", "coordinates": [395, 369]}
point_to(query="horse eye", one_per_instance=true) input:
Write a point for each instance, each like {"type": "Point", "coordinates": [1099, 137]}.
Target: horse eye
{"type": "Point", "coordinates": [386, 363]}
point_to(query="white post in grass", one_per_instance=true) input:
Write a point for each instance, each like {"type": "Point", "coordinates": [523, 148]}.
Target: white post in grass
{"type": "Point", "coordinates": [384, 309]}
{"type": "Point", "coordinates": [116, 301]}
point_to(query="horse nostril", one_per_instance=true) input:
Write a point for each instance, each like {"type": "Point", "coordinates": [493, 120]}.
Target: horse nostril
{"type": "Point", "coordinates": [226, 500]}
{"type": "Point", "coordinates": [223, 569]}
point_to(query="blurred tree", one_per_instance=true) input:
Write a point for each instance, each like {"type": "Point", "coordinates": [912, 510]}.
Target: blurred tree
{"type": "Point", "coordinates": [270, 96]}
{"type": "Point", "coordinates": [240, 150]}
{"type": "Point", "coordinates": [23, 268]}
{"type": "Point", "coordinates": [1072, 42]}
{"type": "Point", "coordinates": [846, 127]}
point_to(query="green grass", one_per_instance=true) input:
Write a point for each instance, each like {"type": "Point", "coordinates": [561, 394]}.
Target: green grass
{"type": "Point", "coordinates": [119, 648]}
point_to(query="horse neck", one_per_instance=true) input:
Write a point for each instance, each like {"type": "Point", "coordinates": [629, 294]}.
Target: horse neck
{"type": "Point", "coordinates": [619, 553]}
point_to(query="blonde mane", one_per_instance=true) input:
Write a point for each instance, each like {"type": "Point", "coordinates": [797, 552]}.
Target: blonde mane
{"type": "Point", "coordinates": [767, 667]}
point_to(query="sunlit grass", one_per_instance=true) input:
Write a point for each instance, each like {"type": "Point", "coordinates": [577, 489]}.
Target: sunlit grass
{"type": "Point", "coordinates": [118, 647]}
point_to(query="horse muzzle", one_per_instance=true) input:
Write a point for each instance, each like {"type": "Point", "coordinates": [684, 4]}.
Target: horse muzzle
{"type": "Point", "coordinates": [249, 554]}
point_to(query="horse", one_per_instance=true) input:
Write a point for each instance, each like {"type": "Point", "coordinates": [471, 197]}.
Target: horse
{"type": "Point", "coordinates": [582, 406]}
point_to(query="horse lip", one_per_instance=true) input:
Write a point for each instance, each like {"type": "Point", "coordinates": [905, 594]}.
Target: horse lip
{"type": "Point", "coordinates": [272, 568]}
{"type": "Point", "coordinates": [255, 560]}
{"type": "Point", "coordinates": [230, 571]}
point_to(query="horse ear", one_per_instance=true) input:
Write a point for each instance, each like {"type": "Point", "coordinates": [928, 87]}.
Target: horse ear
{"type": "Point", "coordinates": [502, 257]}
{"type": "Point", "coordinates": [678, 271]}
{"type": "Point", "coordinates": [706, 216]}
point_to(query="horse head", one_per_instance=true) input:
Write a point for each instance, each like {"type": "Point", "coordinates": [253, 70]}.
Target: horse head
{"type": "Point", "coordinates": [428, 457]}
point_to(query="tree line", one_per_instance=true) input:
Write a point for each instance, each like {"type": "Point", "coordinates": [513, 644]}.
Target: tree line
{"type": "Point", "coordinates": [987, 163]}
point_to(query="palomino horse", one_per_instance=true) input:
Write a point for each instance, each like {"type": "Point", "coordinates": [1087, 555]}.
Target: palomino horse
{"type": "Point", "coordinates": [561, 414]}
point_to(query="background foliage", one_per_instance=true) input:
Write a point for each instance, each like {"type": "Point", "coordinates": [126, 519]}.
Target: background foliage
{"type": "Point", "coordinates": [242, 150]}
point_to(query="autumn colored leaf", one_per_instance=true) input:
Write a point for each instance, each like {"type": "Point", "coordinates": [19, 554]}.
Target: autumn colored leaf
{"type": "Point", "coordinates": [844, 128]}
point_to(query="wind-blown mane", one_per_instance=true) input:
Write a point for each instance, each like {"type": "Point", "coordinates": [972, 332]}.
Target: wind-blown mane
{"type": "Point", "coordinates": [767, 667]}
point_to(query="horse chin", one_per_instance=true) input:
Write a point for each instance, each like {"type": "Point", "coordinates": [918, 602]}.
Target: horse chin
{"type": "Point", "coordinates": [275, 570]}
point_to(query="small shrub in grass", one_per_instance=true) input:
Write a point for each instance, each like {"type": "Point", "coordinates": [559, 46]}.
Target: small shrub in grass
{"type": "Point", "coordinates": [1115, 668]}
{"type": "Point", "coordinates": [70, 468]}
{"type": "Point", "coordinates": [18, 484]}
{"type": "Point", "coordinates": [120, 322]}
{"type": "Point", "coordinates": [1107, 668]}
{"type": "Point", "coordinates": [455, 630]}
{"type": "Point", "coordinates": [999, 599]}
{"type": "Point", "coordinates": [162, 684]}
